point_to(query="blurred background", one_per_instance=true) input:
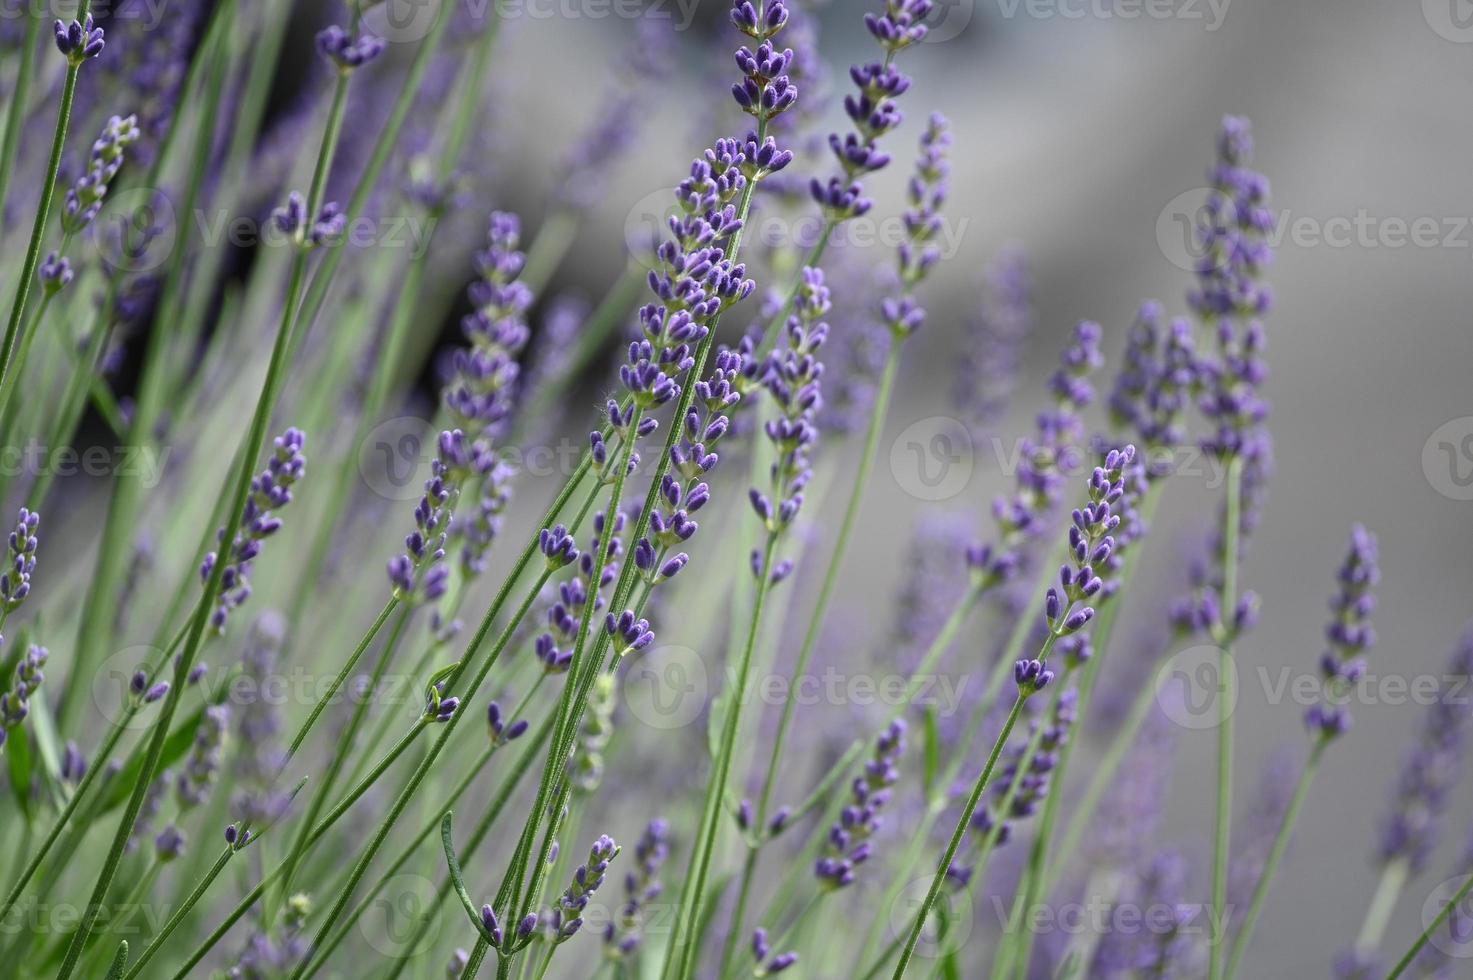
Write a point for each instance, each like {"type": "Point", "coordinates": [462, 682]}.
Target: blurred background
{"type": "Point", "coordinates": [1082, 134]}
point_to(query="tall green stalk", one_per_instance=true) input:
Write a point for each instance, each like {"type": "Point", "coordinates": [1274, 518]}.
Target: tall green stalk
{"type": "Point", "coordinates": [1226, 673]}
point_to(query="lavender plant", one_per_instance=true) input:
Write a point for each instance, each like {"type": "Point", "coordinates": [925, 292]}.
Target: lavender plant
{"type": "Point", "coordinates": [151, 735]}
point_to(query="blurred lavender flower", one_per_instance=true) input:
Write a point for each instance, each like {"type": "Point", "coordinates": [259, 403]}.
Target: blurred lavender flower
{"type": "Point", "coordinates": [761, 951]}
{"type": "Point", "coordinates": [1349, 635]}
{"type": "Point", "coordinates": [270, 492]}
{"type": "Point", "coordinates": [1159, 379]}
{"type": "Point", "coordinates": [1258, 824]}
{"type": "Point", "coordinates": [642, 886]}
{"type": "Point", "coordinates": [15, 702]}
{"type": "Point", "coordinates": [1032, 783]}
{"type": "Point", "coordinates": [345, 50]}
{"type": "Point", "coordinates": [202, 765]}
{"type": "Point", "coordinates": [586, 767]}
{"type": "Point", "coordinates": [84, 198]}
{"type": "Point", "coordinates": [992, 348]}
{"type": "Point", "coordinates": [1431, 769]}
{"type": "Point", "coordinates": [258, 725]}
{"type": "Point", "coordinates": [20, 561]}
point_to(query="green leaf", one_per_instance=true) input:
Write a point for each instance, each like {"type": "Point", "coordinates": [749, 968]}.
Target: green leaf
{"type": "Point", "coordinates": [447, 839]}
{"type": "Point", "coordinates": [22, 764]}
{"type": "Point", "coordinates": [120, 962]}
{"type": "Point", "coordinates": [932, 763]}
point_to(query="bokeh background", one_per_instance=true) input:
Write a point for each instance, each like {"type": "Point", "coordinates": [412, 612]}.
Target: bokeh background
{"type": "Point", "coordinates": [1083, 129]}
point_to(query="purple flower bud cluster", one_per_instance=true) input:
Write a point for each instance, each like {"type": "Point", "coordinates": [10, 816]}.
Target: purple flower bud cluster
{"type": "Point", "coordinates": [345, 50]}
{"type": "Point", "coordinates": [574, 597]}
{"type": "Point", "coordinates": [993, 352]}
{"type": "Point", "coordinates": [419, 573]}
{"type": "Point", "coordinates": [15, 703]}
{"type": "Point", "coordinates": [792, 376]}
{"type": "Point", "coordinates": [1027, 786]}
{"type": "Point", "coordinates": [270, 492]}
{"type": "Point", "coordinates": [630, 634]}
{"type": "Point", "coordinates": [292, 220]}
{"type": "Point", "coordinates": [1349, 635]}
{"type": "Point", "coordinates": [1159, 379]}
{"type": "Point", "coordinates": [872, 110]}
{"type": "Point", "coordinates": [767, 964]}
{"type": "Point", "coordinates": [79, 40]}
{"type": "Point", "coordinates": [84, 198]}
{"type": "Point", "coordinates": [202, 765]}
{"type": "Point", "coordinates": [56, 273]}
{"type": "Point", "coordinates": [20, 561]}
{"type": "Point", "coordinates": [1042, 463]}
{"type": "Point", "coordinates": [501, 732]}
{"type": "Point", "coordinates": [927, 192]}
{"type": "Point", "coordinates": [641, 887]}
{"type": "Point", "coordinates": [849, 841]}
{"type": "Point", "coordinates": [1432, 768]}
{"type": "Point", "coordinates": [1091, 544]}
{"type": "Point", "coordinates": [566, 915]}
{"type": "Point", "coordinates": [1232, 239]}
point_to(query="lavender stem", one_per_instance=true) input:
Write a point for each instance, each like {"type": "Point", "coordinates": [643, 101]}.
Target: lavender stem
{"type": "Point", "coordinates": [1222, 835]}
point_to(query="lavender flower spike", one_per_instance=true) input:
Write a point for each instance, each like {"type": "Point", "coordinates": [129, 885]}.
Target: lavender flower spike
{"type": "Point", "coordinates": [20, 561]}
{"type": "Point", "coordinates": [346, 51]}
{"type": "Point", "coordinates": [270, 492]}
{"type": "Point", "coordinates": [1349, 634]}
{"type": "Point", "coordinates": [15, 703]}
{"type": "Point", "coordinates": [79, 41]}
{"type": "Point", "coordinates": [419, 573]}
{"type": "Point", "coordinates": [849, 839]}
{"type": "Point", "coordinates": [566, 915]}
{"type": "Point", "coordinates": [642, 886]}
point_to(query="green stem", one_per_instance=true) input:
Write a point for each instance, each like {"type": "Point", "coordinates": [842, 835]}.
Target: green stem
{"type": "Point", "coordinates": [700, 858]}
{"type": "Point", "coordinates": [1447, 910]}
{"type": "Point", "coordinates": [1394, 877]}
{"type": "Point", "coordinates": [15, 118]}
{"type": "Point", "coordinates": [965, 820]}
{"type": "Point", "coordinates": [1222, 836]}
{"type": "Point", "coordinates": [343, 675]}
{"type": "Point", "coordinates": [179, 914]}
{"type": "Point", "coordinates": [1275, 855]}
{"type": "Point", "coordinates": [43, 208]}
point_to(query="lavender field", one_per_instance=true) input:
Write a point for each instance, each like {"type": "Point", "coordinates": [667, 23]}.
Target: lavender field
{"type": "Point", "coordinates": [666, 489]}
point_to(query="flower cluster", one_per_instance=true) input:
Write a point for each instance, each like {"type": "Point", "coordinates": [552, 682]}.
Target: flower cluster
{"type": "Point", "coordinates": [419, 573]}
{"type": "Point", "coordinates": [576, 598]}
{"type": "Point", "coordinates": [767, 964]}
{"type": "Point", "coordinates": [1431, 769]}
{"type": "Point", "coordinates": [792, 376]}
{"type": "Point", "coordinates": [270, 491]}
{"type": "Point", "coordinates": [1158, 380]}
{"type": "Point", "coordinates": [1091, 545]}
{"type": "Point", "coordinates": [15, 703]}
{"type": "Point", "coordinates": [202, 765]}
{"type": "Point", "coordinates": [292, 220]}
{"type": "Point", "coordinates": [1349, 635]}
{"type": "Point", "coordinates": [84, 198]}
{"type": "Point", "coordinates": [641, 887]}
{"type": "Point", "coordinates": [346, 51]}
{"type": "Point", "coordinates": [20, 561]}
{"type": "Point", "coordinates": [566, 918]}
{"type": "Point", "coordinates": [872, 110]}
{"type": "Point", "coordinates": [1020, 789]}
{"type": "Point", "coordinates": [79, 40]}
{"type": "Point", "coordinates": [993, 352]}
{"type": "Point", "coordinates": [849, 843]}
{"type": "Point", "coordinates": [1043, 463]}
{"type": "Point", "coordinates": [927, 191]}
{"type": "Point", "coordinates": [1234, 250]}
{"type": "Point", "coordinates": [500, 731]}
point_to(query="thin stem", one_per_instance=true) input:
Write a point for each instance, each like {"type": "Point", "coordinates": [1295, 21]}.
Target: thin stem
{"type": "Point", "coordinates": [43, 208]}
{"type": "Point", "coordinates": [700, 858]}
{"type": "Point", "coordinates": [1222, 836]}
{"type": "Point", "coordinates": [965, 820]}
{"type": "Point", "coordinates": [1393, 879]}
{"type": "Point", "coordinates": [184, 909]}
{"type": "Point", "coordinates": [343, 675]}
{"type": "Point", "coordinates": [1275, 855]}
{"type": "Point", "coordinates": [15, 118]}
{"type": "Point", "coordinates": [1422, 940]}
